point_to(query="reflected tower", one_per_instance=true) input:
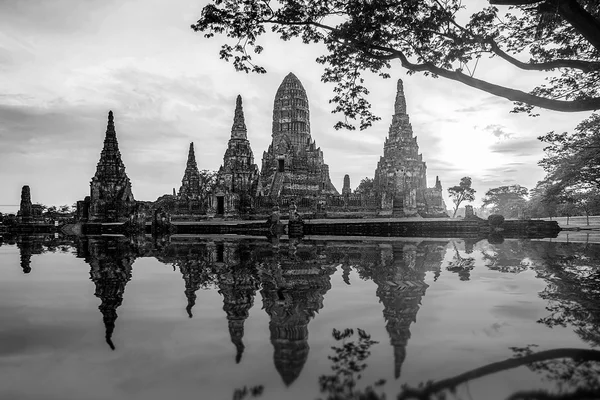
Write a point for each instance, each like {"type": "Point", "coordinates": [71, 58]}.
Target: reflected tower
{"type": "Point", "coordinates": [238, 282]}
{"type": "Point", "coordinates": [400, 280]}
{"type": "Point", "coordinates": [293, 292]}
{"type": "Point", "coordinates": [110, 262]}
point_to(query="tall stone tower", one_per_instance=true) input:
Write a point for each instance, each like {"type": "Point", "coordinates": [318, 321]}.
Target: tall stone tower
{"type": "Point", "coordinates": [239, 172]}
{"type": "Point", "coordinates": [400, 177]}
{"type": "Point", "coordinates": [237, 179]}
{"type": "Point", "coordinates": [111, 198]}
{"type": "Point", "coordinates": [190, 183]}
{"type": "Point", "coordinates": [25, 207]}
{"type": "Point", "coordinates": [293, 165]}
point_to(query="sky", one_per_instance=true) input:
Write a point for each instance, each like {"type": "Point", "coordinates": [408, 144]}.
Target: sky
{"type": "Point", "coordinates": [64, 64]}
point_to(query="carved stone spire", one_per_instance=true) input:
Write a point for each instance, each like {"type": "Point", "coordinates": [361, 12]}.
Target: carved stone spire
{"type": "Point", "coordinates": [239, 173]}
{"type": "Point", "coordinates": [400, 104]}
{"type": "Point", "coordinates": [110, 164]}
{"type": "Point", "coordinates": [190, 184]}
{"type": "Point", "coordinates": [111, 198]}
{"type": "Point", "coordinates": [191, 160]}
{"type": "Point", "coordinates": [25, 208]}
{"type": "Point", "coordinates": [238, 130]}
{"type": "Point", "coordinates": [438, 183]}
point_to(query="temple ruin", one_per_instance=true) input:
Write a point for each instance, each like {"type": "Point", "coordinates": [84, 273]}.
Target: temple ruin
{"type": "Point", "coordinates": [401, 175]}
{"type": "Point", "coordinates": [293, 174]}
{"type": "Point", "coordinates": [111, 198]}
{"type": "Point", "coordinates": [293, 165]}
{"type": "Point", "coordinates": [237, 179]}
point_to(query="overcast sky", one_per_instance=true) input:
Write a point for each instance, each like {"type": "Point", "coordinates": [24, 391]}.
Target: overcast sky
{"type": "Point", "coordinates": [65, 63]}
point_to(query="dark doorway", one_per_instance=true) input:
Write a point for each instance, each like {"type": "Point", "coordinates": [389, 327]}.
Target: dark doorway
{"type": "Point", "coordinates": [281, 165]}
{"type": "Point", "coordinates": [220, 205]}
{"type": "Point", "coordinates": [220, 252]}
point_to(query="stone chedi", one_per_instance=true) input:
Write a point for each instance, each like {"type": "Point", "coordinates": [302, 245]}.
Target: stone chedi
{"type": "Point", "coordinates": [346, 190]}
{"type": "Point", "coordinates": [293, 165]}
{"type": "Point", "coordinates": [111, 198]}
{"type": "Point", "coordinates": [191, 181]}
{"type": "Point", "coordinates": [400, 177]}
{"type": "Point", "coordinates": [25, 209]}
{"type": "Point", "coordinates": [237, 179]}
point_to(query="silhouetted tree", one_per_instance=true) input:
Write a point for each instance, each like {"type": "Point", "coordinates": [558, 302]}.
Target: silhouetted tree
{"type": "Point", "coordinates": [558, 37]}
{"type": "Point", "coordinates": [462, 192]}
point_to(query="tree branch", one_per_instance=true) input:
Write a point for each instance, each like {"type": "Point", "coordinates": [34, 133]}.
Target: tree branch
{"type": "Point", "coordinates": [572, 12]}
{"type": "Point", "coordinates": [574, 354]}
{"type": "Point", "coordinates": [514, 2]}
{"type": "Point", "coordinates": [497, 90]}
{"type": "Point", "coordinates": [585, 66]}
{"type": "Point", "coordinates": [584, 22]}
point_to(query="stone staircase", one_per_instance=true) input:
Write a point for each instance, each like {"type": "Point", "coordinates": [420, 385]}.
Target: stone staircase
{"type": "Point", "coordinates": [398, 207]}
{"type": "Point", "coordinates": [276, 185]}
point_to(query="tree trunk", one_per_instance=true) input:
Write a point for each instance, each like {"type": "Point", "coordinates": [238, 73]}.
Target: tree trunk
{"type": "Point", "coordinates": [567, 220]}
{"type": "Point", "coordinates": [587, 218]}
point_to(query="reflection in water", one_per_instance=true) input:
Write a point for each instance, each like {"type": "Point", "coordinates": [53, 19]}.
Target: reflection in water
{"type": "Point", "coordinates": [30, 245]}
{"type": "Point", "coordinates": [110, 262]}
{"type": "Point", "coordinates": [461, 265]}
{"type": "Point", "coordinates": [399, 271]}
{"type": "Point", "coordinates": [575, 371]}
{"type": "Point", "coordinates": [294, 277]}
{"type": "Point", "coordinates": [349, 360]}
{"type": "Point", "coordinates": [572, 274]}
{"type": "Point", "coordinates": [294, 283]}
{"type": "Point", "coordinates": [238, 281]}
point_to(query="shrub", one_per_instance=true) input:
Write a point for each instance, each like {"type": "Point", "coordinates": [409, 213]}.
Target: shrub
{"type": "Point", "coordinates": [495, 220]}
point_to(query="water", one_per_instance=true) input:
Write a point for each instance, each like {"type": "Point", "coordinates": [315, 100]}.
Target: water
{"type": "Point", "coordinates": [250, 318]}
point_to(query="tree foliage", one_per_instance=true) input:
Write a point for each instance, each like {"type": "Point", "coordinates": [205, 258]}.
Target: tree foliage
{"type": "Point", "coordinates": [435, 37]}
{"type": "Point", "coordinates": [366, 186]}
{"type": "Point", "coordinates": [506, 200]}
{"type": "Point", "coordinates": [208, 181]}
{"type": "Point", "coordinates": [462, 192]}
{"type": "Point", "coordinates": [572, 160]}
{"type": "Point", "coordinates": [541, 204]}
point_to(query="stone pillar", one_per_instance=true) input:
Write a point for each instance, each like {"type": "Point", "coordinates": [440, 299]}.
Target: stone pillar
{"type": "Point", "coordinates": [469, 211]}
{"type": "Point", "coordinates": [346, 189]}
{"type": "Point", "coordinates": [25, 209]}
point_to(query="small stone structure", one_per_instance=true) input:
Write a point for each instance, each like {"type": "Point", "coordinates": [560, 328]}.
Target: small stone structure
{"type": "Point", "coordinates": [346, 189]}
{"type": "Point", "coordinates": [469, 213]}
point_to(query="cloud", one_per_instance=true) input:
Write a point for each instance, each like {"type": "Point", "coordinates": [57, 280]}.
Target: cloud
{"type": "Point", "coordinates": [485, 104]}
{"type": "Point", "coordinates": [55, 17]}
{"type": "Point", "coordinates": [498, 131]}
{"type": "Point", "coordinates": [518, 147]}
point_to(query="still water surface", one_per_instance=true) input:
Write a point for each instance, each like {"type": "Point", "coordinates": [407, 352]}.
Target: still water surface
{"type": "Point", "coordinates": [250, 318]}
